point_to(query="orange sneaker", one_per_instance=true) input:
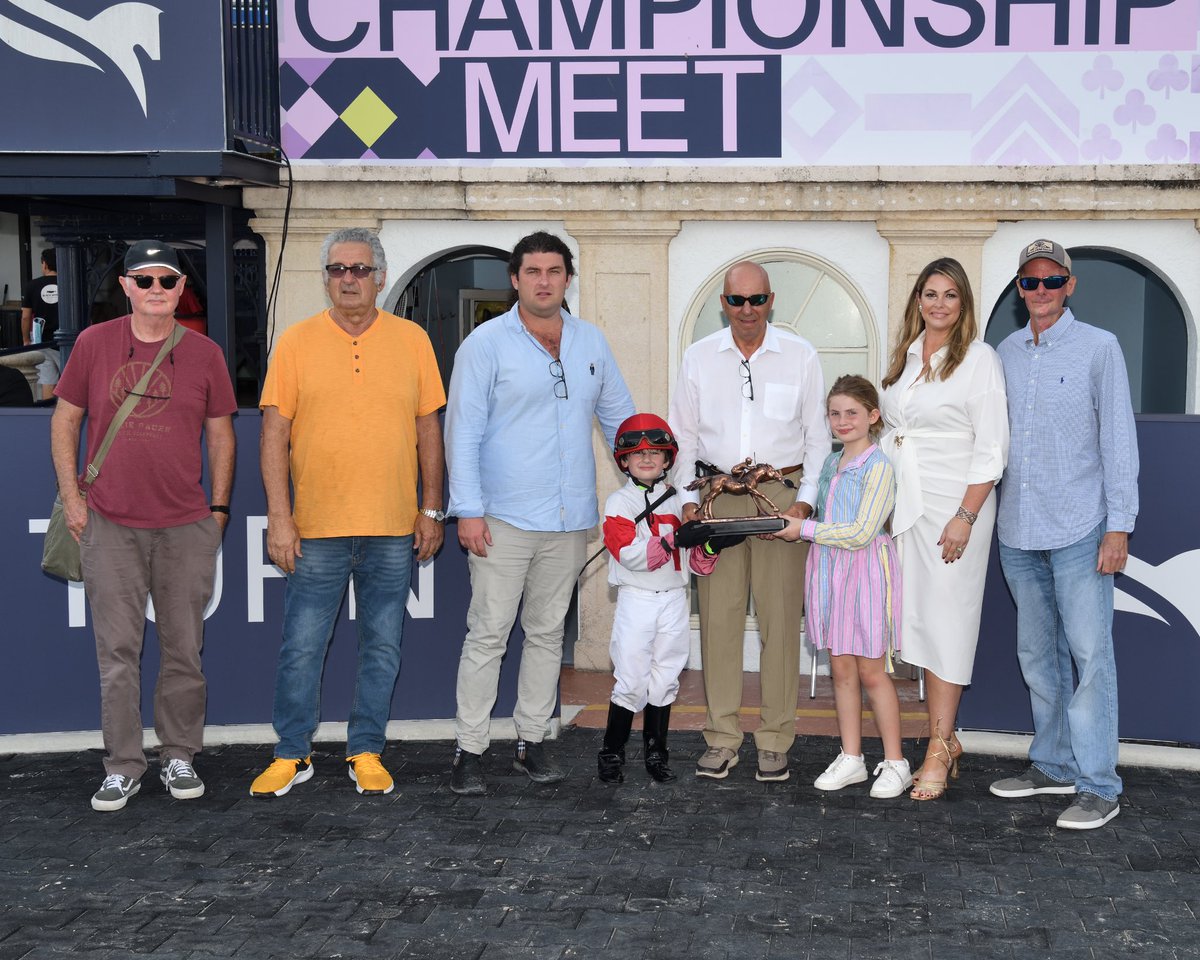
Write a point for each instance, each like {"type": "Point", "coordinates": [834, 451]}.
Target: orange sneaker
{"type": "Point", "coordinates": [368, 774]}
{"type": "Point", "coordinates": [281, 776]}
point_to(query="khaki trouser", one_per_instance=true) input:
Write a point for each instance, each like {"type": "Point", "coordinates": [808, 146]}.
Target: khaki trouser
{"type": "Point", "coordinates": [772, 571]}
{"type": "Point", "coordinates": [543, 567]}
{"type": "Point", "coordinates": [175, 566]}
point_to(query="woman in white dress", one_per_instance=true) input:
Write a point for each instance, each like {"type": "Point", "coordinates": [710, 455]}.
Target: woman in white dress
{"type": "Point", "coordinates": [946, 433]}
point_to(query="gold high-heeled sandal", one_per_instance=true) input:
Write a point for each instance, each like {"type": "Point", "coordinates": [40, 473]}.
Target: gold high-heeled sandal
{"type": "Point", "coordinates": [926, 789]}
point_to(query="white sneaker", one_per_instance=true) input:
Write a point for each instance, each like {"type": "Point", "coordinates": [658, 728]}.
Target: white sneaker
{"type": "Point", "coordinates": [892, 778]}
{"type": "Point", "coordinates": [844, 771]}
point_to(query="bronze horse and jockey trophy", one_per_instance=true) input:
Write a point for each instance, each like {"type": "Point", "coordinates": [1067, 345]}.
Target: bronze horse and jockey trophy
{"type": "Point", "coordinates": [742, 480]}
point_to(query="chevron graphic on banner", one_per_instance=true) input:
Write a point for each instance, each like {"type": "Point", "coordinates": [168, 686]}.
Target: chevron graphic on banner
{"type": "Point", "coordinates": [1025, 118]}
{"type": "Point", "coordinates": [1025, 132]}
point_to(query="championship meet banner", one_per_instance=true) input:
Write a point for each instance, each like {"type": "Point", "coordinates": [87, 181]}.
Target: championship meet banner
{"type": "Point", "coordinates": [764, 82]}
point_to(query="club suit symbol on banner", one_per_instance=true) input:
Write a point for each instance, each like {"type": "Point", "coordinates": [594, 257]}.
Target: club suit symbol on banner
{"type": "Point", "coordinates": [115, 32]}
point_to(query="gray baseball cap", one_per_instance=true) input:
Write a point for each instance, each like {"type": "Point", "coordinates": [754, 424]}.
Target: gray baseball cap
{"type": "Point", "coordinates": [1047, 250]}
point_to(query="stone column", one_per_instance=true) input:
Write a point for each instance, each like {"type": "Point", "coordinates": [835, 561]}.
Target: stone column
{"type": "Point", "coordinates": [623, 288]}
{"type": "Point", "coordinates": [914, 243]}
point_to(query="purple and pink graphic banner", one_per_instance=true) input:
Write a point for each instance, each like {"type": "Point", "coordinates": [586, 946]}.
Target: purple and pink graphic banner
{"type": "Point", "coordinates": [775, 82]}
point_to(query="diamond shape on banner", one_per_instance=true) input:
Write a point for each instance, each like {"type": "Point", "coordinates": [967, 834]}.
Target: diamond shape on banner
{"type": "Point", "coordinates": [294, 145]}
{"type": "Point", "coordinates": [427, 154]}
{"type": "Point", "coordinates": [812, 79]}
{"type": "Point", "coordinates": [368, 116]}
{"type": "Point", "coordinates": [423, 111]}
{"type": "Point", "coordinates": [291, 86]}
{"type": "Point", "coordinates": [310, 116]}
{"type": "Point", "coordinates": [309, 69]}
{"type": "Point", "coordinates": [809, 112]}
{"type": "Point", "coordinates": [339, 142]}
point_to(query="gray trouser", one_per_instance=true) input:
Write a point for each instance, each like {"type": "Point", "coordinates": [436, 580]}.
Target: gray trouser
{"type": "Point", "coordinates": [175, 566]}
{"type": "Point", "coordinates": [543, 567]}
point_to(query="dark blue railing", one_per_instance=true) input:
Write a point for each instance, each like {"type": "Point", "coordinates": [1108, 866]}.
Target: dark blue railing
{"type": "Point", "coordinates": [252, 76]}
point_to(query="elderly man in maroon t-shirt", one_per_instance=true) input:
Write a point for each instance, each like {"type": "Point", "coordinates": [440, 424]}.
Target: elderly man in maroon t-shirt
{"type": "Point", "coordinates": [146, 527]}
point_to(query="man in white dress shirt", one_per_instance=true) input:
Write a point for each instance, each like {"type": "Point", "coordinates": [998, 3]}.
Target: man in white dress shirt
{"type": "Point", "coordinates": [751, 390]}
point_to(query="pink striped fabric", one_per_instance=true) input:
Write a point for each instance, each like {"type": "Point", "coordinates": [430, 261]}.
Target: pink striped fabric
{"type": "Point", "coordinates": [852, 589]}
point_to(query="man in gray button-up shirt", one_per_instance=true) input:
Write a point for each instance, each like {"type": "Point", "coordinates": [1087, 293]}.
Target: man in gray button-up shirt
{"type": "Point", "coordinates": [1068, 503]}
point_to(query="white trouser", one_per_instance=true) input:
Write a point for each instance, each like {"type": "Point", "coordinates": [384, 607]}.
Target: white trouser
{"type": "Point", "coordinates": [650, 642]}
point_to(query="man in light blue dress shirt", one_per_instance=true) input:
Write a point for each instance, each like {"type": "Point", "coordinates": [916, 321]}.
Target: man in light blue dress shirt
{"type": "Point", "coordinates": [1067, 506]}
{"type": "Point", "coordinates": [523, 394]}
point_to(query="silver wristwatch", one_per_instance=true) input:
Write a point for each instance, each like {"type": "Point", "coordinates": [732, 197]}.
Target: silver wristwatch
{"type": "Point", "coordinates": [437, 515]}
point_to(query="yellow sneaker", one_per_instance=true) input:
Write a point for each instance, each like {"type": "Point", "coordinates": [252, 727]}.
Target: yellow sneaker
{"type": "Point", "coordinates": [368, 774]}
{"type": "Point", "coordinates": [281, 776]}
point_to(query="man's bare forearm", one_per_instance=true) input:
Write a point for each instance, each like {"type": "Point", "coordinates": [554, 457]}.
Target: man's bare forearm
{"type": "Point", "coordinates": [273, 461]}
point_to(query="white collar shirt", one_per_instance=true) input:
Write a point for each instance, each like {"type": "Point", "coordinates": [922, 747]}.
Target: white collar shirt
{"type": "Point", "coordinates": [775, 416]}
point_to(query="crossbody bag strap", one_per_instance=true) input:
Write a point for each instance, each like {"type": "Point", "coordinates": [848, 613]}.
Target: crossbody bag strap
{"type": "Point", "coordinates": [126, 408]}
{"type": "Point", "coordinates": [667, 494]}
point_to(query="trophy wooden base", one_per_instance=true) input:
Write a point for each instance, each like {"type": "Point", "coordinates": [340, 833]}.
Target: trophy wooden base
{"type": "Point", "coordinates": [745, 526]}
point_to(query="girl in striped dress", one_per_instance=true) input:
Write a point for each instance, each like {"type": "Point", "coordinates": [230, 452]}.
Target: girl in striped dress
{"type": "Point", "coordinates": [852, 590]}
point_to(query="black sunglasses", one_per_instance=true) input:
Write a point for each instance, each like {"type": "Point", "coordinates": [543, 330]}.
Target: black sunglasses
{"type": "Point", "coordinates": [360, 271]}
{"type": "Point", "coordinates": [1052, 283]}
{"type": "Point", "coordinates": [145, 282]}
{"type": "Point", "coordinates": [736, 299]}
{"type": "Point", "coordinates": [655, 437]}
{"type": "Point", "coordinates": [747, 380]}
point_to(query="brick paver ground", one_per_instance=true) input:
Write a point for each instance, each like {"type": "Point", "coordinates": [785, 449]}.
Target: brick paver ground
{"type": "Point", "coordinates": [735, 870]}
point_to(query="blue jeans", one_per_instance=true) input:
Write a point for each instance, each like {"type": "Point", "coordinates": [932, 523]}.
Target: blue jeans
{"type": "Point", "coordinates": [381, 567]}
{"type": "Point", "coordinates": [1064, 615]}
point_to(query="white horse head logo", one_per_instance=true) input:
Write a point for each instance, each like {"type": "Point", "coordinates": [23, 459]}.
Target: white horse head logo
{"type": "Point", "coordinates": [1174, 580]}
{"type": "Point", "coordinates": [116, 33]}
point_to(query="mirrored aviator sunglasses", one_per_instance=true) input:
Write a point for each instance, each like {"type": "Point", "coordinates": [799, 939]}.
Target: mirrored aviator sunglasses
{"type": "Point", "coordinates": [1052, 283]}
{"type": "Point", "coordinates": [656, 438]}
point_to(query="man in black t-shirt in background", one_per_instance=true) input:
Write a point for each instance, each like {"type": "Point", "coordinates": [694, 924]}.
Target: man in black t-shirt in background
{"type": "Point", "coordinates": [39, 320]}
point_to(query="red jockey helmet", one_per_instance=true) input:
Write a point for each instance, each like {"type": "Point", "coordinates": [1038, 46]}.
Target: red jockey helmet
{"type": "Point", "coordinates": [645, 431]}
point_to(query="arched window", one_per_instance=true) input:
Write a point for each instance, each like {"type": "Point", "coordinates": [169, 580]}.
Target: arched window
{"type": "Point", "coordinates": [450, 294]}
{"type": "Point", "coordinates": [812, 299]}
{"type": "Point", "coordinates": [1132, 301]}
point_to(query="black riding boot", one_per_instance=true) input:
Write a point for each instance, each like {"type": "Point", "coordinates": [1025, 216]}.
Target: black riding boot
{"type": "Point", "coordinates": [612, 753]}
{"type": "Point", "coordinates": [655, 723]}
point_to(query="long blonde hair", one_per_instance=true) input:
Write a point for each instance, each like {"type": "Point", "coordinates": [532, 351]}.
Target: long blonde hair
{"type": "Point", "coordinates": [961, 334]}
